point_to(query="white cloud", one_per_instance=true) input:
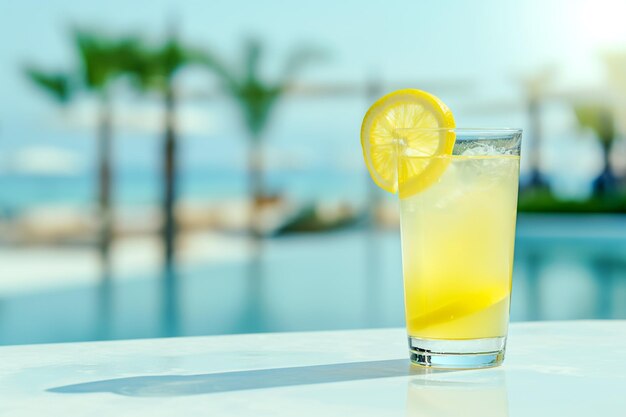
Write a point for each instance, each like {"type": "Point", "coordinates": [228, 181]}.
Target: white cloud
{"type": "Point", "coordinates": [43, 160]}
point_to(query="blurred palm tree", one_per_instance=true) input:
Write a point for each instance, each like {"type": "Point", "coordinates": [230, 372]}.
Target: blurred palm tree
{"type": "Point", "coordinates": [154, 69]}
{"type": "Point", "coordinates": [600, 120]}
{"type": "Point", "coordinates": [256, 99]}
{"type": "Point", "coordinates": [535, 87]}
{"type": "Point", "coordinates": [615, 65]}
{"type": "Point", "coordinates": [101, 60]}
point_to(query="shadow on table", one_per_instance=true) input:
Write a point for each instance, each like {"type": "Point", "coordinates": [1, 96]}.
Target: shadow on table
{"type": "Point", "coordinates": [179, 385]}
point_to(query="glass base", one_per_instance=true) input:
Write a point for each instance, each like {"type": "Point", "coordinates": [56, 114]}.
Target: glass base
{"type": "Point", "coordinates": [457, 354]}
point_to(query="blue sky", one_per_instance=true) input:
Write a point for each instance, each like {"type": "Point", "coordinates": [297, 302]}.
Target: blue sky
{"type": "Point", "coordinates": [486, 44]}
{"type": "Point", "coordinates": [488, 41]}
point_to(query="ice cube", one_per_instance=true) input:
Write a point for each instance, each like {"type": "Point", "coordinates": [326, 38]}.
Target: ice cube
{"type": "Point", "coordinates": [482, 149]}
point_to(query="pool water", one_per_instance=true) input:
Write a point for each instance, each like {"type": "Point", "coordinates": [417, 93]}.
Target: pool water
{"type": "Point", "coordinates": [563, 270]}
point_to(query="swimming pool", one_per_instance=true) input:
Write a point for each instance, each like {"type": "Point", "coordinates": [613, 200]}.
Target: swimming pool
{"type": "Point", "coordinates": [565, 268]}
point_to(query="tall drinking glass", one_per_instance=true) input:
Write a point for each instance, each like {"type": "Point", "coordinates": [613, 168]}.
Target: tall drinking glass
{"type": "Point", "coordinates": [458, 232]}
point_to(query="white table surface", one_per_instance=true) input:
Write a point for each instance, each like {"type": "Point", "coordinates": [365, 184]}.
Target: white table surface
{"type": "Point", "coordinates": [551, 369]}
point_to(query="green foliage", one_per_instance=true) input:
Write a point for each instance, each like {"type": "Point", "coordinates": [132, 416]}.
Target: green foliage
{"type": "Point", "coordinates": [97, 58]}
{"type": "Point", "coordinates": [543, 201]}
{"type": "Point", "coordinates": [255, 96]}
{"type": "Point", "coordinates": [599, 119]}
{"type": "Point", "coordinates": [153, 67]}
{"type": "Point", "coordinates": [57, 85]}
{"type": "Point", "coordinates": [101, 59]}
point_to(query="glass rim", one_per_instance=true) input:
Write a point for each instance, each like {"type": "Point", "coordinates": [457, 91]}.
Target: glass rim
{"type": "Point", "coordinates": [475, 130]}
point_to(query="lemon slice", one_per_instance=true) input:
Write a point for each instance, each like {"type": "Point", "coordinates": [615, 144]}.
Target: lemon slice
{"type": "Point", "coordinates": [457, 309]}
{"type": "Point", "coordinates": [407, 161]}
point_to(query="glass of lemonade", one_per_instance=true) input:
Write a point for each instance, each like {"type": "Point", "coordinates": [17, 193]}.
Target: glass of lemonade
{"type": "Point", "coordinates": [458, 232]}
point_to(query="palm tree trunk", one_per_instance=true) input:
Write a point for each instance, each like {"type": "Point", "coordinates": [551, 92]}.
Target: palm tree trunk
{"type": "Point", "coordinates": [104, 184]}
{"type": "Point", "coordinates": [255, 184]}
{"type": "Point", "coordinates": [169, 231]}
{"type": "Point", "coordinates": [536, 179]}
{"type": "Point", "coordinates": [254, 311]}
{"type": "Point", "coordinates": [169, 179]}
{"type": "Point", "coordinates": [606, 180]}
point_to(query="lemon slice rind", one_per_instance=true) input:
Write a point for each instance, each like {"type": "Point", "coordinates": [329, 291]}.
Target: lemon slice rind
{"type": "Point", "coordinates": [400, 159]}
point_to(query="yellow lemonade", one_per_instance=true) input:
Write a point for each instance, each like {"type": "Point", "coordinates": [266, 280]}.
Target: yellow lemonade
{"type": "Point", "coordinates": [458, 199]}
{"type": "Point", "coordinates": [457, 248]}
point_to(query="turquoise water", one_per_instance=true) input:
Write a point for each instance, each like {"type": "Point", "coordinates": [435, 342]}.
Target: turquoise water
{"type": "Point", "coordinates": [142, 187]}
{"type": "Point", "coordinates": [566, 269]}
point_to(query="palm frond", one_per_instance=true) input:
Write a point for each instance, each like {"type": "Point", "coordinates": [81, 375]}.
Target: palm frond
{"type": "Point", "coordinates": [55, 84]}
{"type": "Point", "coordinates": [252, 57]}
{"type": "Point", "coordinates": [102, 56]}
{"type": "Point", "coordinates": [301, 57]}
{"type": "Point", "coordinates": [215, 64]}
{"type": "Point", "coordinates": [255, 96]}
{"type": "Point", "coordinates": [599, 119]}
{"type": "Point", "coordinates": [152, 66]}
